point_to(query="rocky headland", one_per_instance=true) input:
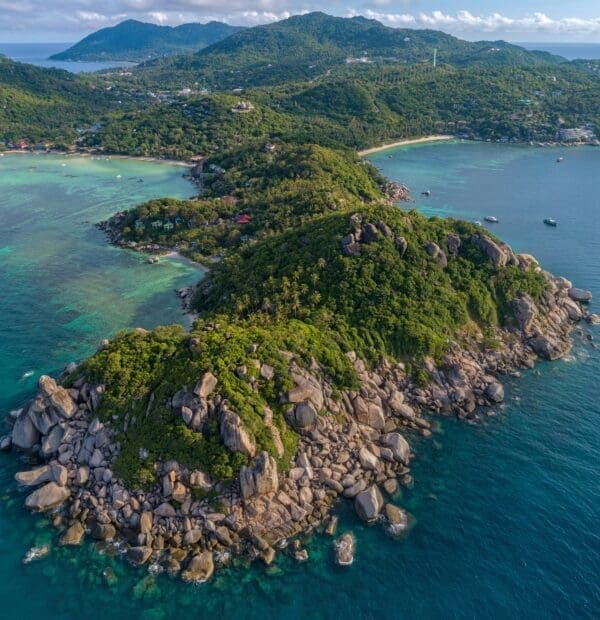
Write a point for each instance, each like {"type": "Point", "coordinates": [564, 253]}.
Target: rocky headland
{"type": "Point", "coordinates": [353, 445]}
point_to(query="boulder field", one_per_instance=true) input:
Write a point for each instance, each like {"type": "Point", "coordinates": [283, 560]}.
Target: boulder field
{"type": "Point", "coordinates": [353, 445]}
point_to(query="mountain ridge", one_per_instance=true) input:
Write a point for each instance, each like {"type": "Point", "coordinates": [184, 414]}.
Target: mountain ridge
{"type": "Point", "coordinates": [135, 41]}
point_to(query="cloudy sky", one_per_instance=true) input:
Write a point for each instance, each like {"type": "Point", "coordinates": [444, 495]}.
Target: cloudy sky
{"type": "Point", "coordinates": [516, 20]}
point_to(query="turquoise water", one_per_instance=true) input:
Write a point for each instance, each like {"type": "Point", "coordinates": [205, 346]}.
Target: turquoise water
{"type": "Point", "coordinates": [507, 511]}
{"type": "Point", "coordinates": [39, 54]}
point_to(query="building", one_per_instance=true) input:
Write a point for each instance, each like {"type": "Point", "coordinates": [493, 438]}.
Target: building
{"type": "Point", "coordinates": [577, 134]}
{"type": "Point", "coordinates": [243, 219]}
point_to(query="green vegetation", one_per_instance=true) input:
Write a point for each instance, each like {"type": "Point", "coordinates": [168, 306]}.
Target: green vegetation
{"type": "Point", "coordinates": [136, 41]}
{"type": "Point", "coordinates": [43, 105]}
{"type": "Point", "coordinates": [302, 89]}
{"type": "Point", "coordinates": [304, 47]}
{"type": "Point", "coordinates": [275, 190]}
{"type": "Point", "coordinates": [281, 188]}
{"type": "Point", "coordinates": [290, 288]}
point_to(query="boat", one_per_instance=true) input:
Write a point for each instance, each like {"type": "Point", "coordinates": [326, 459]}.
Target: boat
{"type": "Point", "coordinates": [550, 222]}
{"type": "Point", "coordinates": [477, 222]}
{"type": "Point", "coordinates": [427, 192]}
{"type": "Point", "coordinates": [560, 159]}
{"type": "Point", "coordinates": [491, 219]}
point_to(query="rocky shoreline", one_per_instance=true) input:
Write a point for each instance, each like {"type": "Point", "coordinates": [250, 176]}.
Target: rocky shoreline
{"type": "Point", "coordinates": [353, 445]}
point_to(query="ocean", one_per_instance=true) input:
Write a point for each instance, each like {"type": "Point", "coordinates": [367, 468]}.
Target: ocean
{"type": "Point", "coordinates": [570, 51]}
{"type": "Point", "coordinates": [506, 511]}
{"type": "Point", "coordinates": [39, 53]}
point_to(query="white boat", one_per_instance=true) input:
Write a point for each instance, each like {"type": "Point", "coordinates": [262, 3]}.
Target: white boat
{"type": "Point", "coordinates": [491, 219]}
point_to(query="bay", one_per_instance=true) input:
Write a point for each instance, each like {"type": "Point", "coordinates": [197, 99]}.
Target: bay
{"type": "Point", "coordinates": [39, 54]}
{"type": "Point", "coordinates": [506, 511]}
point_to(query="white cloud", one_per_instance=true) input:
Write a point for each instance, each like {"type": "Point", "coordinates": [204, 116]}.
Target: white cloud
{"type": "Point", "coordinates": [465, 22]}
{"type": "Point", "coordinates": [46, 19]}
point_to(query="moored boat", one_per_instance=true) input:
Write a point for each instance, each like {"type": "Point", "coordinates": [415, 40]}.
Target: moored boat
{"type": "Point", "coordinates": [550, 222]}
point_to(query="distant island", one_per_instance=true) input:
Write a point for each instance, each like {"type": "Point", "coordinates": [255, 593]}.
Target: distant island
{"type": "Point", "coordinates": [334, 320]}
{"type": "Point", "coordinates": [137, 41]}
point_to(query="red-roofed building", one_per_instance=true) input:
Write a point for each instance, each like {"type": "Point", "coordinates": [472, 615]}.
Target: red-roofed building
{"type": "Point", "coordinates": [243, 219]}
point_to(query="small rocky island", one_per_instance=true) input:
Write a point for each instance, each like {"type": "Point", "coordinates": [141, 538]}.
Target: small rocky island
{"type": "Point", "coordinates": [322, 349]}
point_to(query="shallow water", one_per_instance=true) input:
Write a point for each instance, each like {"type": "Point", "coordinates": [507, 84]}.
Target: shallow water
{"type": "Point", "coordinates": [506, 511]}
{"type": "Point", "coordinates": [39, 54]}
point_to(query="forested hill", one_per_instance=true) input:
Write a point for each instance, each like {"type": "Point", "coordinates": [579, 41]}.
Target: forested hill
{"type": "Point", "coordinates": [46, 104]}
{"type": "Point", "coordinates": [138, 41]}
{"type": "Point", "coordinates": [305, 46]}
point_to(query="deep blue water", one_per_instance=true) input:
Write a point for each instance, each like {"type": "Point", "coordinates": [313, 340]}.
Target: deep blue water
{"type": "Point", "coordinates": [506, 511]}
{"type": "Point", "coordinates": [39, 54]}
{"type": "Point", "coordinates": [570, 51]}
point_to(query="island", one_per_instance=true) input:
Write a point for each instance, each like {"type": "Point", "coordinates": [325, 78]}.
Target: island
{"type": "Point", "coordinates": [332, 329]}
{"type": "Point", "coordinates": [334, 321]}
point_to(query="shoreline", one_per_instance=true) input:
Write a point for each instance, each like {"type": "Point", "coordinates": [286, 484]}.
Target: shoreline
{"type": "Point", "coordinates": [157, 160]}
{"type": "Point", "coordinates": [406, 142]}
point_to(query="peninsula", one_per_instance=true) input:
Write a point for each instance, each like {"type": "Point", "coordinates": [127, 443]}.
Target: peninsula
{"type": "Point", "coordinates": [333, 325]}
{"type": "Point", "coordinates": [331, 331]}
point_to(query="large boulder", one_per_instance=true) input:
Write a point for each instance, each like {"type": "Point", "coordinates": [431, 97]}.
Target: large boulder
{"type": "Point", "coordinates": [525, 312]}
{"type": "Point", "coordinates": [500, 254]}
{"type": "Point", "coordinates": [72, 535]}
{"type": "Point", "coordinates": [549, 348]}
{"type": "Point", "coordinates": [495, 392]}
{"type": "Point", "coordinates": [303, 416]}
{"type": "Point", "coordinates": [573, 309]}
{"type": "Point", "coordinates": [369, 504]}
{"type": "Point", "coordinates": [260, 479]}
{"type": "Point", "coordinates": [57, 397]}
{"type": "Point", "coordinates": [306, 390]}
{"type": "Point", "coordinates": [42, 417]}
{"type": "Point", "coordinates": [139, 555]}
{"type": "Point", "coordinates": [434, 250]}
{"type": "Point", "coordinates": [34, 477]}
{"type": "Point", "coordinates": [369, 233]}
{"type": "Point", "coordinates": [344, 549]}
{"type": "Point", "coordinates": [369, 412]}
{"type": "Point", "coordinates": [401, 245]}
{"type": "Point", "coordinates": [24, 434]}
{"type": "Point", "coordinates": [51, 442]}
{"type": "Point", "coordinates": [580, 295]}
{"type": "Point", "coordinates": [47, 497]}
{"type": "Point", "coordinates": [206, 386]}
{"type": "Point", "coordinates": [398, 445]}
{"type": "Point", "coordinates": [368, 460]}
{"type": "Point", "coordinates": [234, 435]}
{"type": "Point", "coordinates": [453, 243]}
{"type": "Point", "coordinates": [200, 568]}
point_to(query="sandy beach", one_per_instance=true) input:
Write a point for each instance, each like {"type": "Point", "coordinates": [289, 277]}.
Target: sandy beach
{"type": "Point", "coordinates": [172, 162]}
{"type": "Point", "coordinates": [408, 142]}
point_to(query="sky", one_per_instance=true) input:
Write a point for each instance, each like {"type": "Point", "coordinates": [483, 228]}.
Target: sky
{"type": "Point", "coordinates": [512, 20]}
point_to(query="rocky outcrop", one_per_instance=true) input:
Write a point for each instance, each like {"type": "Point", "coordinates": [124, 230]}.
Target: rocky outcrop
{"type": "Point", "coordinates": [73, 535]}
{"type": "Point", "coordinates": [499, 253]}
{"type": "Point", "coordinates": [199, 569]}
{"type": "Point", "coordinates": [350, 443]}
{"type": "Point", "coordinates": [580, 295]}
{"type": "Point", "coordinates": [233, 433]}
{"type": "Point", "coordinates": [47, 497]}
{"type": "Point", "coordinates": [25, 435]}
{"type": "Point", "coordinates": [260, 479]}
{"type": "Point", "coordinates": [34, 477]}
{"type": "Point", "coordinates": [434, 250]}
{"type": "Point", "coordinates": [345, 548]}
{"type": "Point", "coordinates": [206, 385]}
{"type": "Point", "coordinates": [526, 312]}
{"type": "Point", "coordinates": [369, 504]}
